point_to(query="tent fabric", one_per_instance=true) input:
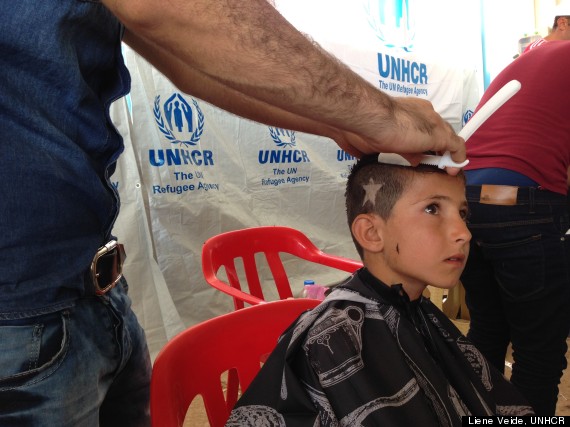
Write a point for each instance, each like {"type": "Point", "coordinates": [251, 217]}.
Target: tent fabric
{"type": "Point", "coordinates": [191, 171]}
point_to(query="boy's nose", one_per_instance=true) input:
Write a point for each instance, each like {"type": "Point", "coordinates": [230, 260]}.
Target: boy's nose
{"type": "Point", "coordinates": [461, 232]}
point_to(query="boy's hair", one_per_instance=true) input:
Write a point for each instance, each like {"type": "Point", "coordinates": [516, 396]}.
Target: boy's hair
{"type": "Point", "coordinates": [374, 187]}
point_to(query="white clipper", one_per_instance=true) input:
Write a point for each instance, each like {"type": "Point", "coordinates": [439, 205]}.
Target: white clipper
{"type": "Point", "coordinates": [432, 160]}
{"type": "Point", "coordinates": [441, 162]}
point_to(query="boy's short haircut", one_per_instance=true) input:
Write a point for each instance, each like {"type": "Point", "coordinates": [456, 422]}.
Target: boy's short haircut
{"type": "Point", "coordinates": [374, 187]}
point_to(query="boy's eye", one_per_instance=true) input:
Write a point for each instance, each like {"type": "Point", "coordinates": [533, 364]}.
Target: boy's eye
{"type": "Point", "coordinates": [432, 209]}
{"type": "Point", "coordinates": [464, 213]}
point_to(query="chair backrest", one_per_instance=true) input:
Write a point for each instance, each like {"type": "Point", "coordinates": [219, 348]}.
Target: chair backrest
{"type": "Point", "coordinates": [224, 249]}
{"type": "Point", "coordinates": [194, 362]}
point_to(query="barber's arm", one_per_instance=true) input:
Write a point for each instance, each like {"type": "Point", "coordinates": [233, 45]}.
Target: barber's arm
{"type": "Point", "coordinates": [243, 56]}
{"type": "Point", "coordinates": [234, 101]}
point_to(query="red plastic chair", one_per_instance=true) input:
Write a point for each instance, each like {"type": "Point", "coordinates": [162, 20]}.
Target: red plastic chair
{"type": "Point", "coordinates": [223, 250]}
{"type": "Point", "coordinates": [193, 362]}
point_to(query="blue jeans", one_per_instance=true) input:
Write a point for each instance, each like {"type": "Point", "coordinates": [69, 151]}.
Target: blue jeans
{"type": "Point", "coordinates": [517, 283]}
{"type": "Point", "coordinates": [87, 365]}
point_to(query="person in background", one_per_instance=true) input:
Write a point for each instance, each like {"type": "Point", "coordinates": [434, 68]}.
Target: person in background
{"type": "Point", "coordinates": [560, 31]}
{"type": "Point", "coordinates": [72, 350]}
{"type": "Point", "coordinates": [375, 351]}
{"type": "Point", "coordinates": [517, 279]}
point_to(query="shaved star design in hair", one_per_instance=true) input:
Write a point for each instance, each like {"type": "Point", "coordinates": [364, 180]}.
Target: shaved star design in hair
{"type": "Point", "coordinates": [371, 190]}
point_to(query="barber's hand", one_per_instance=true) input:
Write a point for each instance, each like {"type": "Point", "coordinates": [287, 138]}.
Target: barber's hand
{"type": "Point", "coordinates": [425, 130]}
{"type": "Point", "coordinates": [414, 128]}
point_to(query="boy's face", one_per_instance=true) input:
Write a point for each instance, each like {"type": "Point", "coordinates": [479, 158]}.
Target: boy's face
{"type": "Point", "coordinates": [426, 240]}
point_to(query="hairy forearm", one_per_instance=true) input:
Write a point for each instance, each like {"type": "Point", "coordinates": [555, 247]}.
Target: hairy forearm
{"type": "Point", "coordinates": [249, 47]}
{"type": "Point", "coordinates": [242, 55]}
{"type": "Point", "coordinates": [234, 101]}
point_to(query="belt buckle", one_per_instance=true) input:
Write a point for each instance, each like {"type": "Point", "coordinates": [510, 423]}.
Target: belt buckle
{"type": "Point", "coordinates": [110, 249]}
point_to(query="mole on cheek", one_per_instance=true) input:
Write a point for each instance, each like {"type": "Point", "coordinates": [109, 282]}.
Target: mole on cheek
{"type": "Point", "coordinates": [397, 248]}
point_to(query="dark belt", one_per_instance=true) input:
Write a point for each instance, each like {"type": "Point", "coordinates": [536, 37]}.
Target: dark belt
{"type": "Point", "coordinates": [107, 267]}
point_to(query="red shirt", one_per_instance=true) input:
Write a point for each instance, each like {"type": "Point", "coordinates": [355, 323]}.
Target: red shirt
{"type": "Point", "coordinates": [530, 133]}
{"type": "Point", "coordinates": [534, 44]}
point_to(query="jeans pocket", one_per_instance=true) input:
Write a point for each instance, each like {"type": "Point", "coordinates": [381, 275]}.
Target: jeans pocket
{"type": "Point", "coordinates": [31, 349]}
{"type": "Point", "coordinates": [518, 266]}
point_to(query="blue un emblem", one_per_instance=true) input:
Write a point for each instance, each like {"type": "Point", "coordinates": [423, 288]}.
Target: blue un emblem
{"type": "Point", "coordinates": [178, 121]}
{"type": "Point", "coordinates": [468, 114]}
{"type": "Point", "coordinates": [392, 22]}
{"type": "Point", "coordinates": [282, 137]}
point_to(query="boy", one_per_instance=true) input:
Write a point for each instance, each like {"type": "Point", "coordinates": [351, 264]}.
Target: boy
{"type": "Point", "coordinates": [377, 352]}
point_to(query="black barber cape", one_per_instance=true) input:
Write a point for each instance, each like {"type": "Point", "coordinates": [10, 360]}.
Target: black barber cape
{"type": "Point", "coordinates": [367, 356]}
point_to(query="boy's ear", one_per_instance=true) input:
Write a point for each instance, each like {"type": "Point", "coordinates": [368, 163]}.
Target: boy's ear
{"type": "Point", "coordinates": [368, 229]}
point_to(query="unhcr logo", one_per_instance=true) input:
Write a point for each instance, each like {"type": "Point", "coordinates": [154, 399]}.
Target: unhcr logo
{"type": "Point", "coordinates": [467, 116]}
{"type": "Point", "coordinates": [392, 22]}
{"type": "Point", "coordinates": [179, 125]}
{"type": "Point", "coordinates": [182, 125]}
{"type": "Point", "coordinates": [283, 138]}
{"type": "Point", "coordinates": [402, 70]}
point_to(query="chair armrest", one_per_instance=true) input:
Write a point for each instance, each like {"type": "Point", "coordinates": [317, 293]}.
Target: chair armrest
{"type": "Point", "coordinates": [235, 293]}
{"type": "Point", "coordinates": [341, 263]}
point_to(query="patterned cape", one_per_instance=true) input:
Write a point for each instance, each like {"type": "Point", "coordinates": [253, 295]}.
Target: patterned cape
{"type": "Point", "coordinates": [367, 356]}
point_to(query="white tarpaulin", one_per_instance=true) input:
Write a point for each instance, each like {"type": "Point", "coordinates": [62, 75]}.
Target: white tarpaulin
{"type": "Point", "coordinates": [191, 171]}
